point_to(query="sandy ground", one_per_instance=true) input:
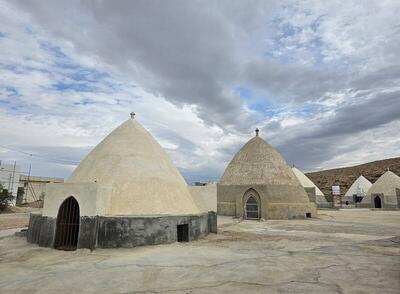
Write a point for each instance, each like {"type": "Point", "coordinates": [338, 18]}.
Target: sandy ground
{"type": "Point", "coordinates": [352, 251]}
{"type": "Point", "coordinates": [14, 220]}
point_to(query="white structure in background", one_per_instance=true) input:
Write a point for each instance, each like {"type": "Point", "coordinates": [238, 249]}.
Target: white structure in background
{"type": "Point", "coordinates": [9, 178]}
{"type": "Point", "coordinates": [359, 188]}
{"type": "Point", "coordinates": [320, 199]}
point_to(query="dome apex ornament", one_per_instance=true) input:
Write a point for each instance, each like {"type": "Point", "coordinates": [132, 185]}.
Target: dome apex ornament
{"type": "Point", "coordinates": [132, 114]}
{"type": "Point", "coordinates": [257, 131]}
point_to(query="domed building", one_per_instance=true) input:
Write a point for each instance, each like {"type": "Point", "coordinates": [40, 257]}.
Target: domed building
{"type": "Point", "coordinates": [357, 190]}
{"type": "Point", "coordinates": [125, 193]}
{"type": "Point", "coordinates": [307, 184]}
{"type": "Point", "coordinates": [384, 193]}
{"type": "Point", "coordinates": [259, 184]}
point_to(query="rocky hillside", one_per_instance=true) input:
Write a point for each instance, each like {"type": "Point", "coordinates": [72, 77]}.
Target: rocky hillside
{"type": "Point", "coordinates": [347, 175]}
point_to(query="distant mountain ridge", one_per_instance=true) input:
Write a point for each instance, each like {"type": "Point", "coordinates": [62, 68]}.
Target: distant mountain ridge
{"type": "Point", "coordinates": [345, 176]}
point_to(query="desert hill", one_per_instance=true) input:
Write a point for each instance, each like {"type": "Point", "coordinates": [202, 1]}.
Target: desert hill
{"type": "Point", "coordinates": [347, 175]}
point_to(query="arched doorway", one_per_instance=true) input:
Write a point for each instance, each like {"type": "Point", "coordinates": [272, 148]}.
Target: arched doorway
{"type": "Point", "coordinates": [377, 202]}
{"type": "Point", "coordinates": [252, 208]}
{"type": "Point", "coordinates": [67, 230]}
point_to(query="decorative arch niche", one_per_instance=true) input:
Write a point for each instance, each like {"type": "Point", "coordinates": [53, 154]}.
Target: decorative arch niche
{"type": "Point", "coordinates": [251, 205]}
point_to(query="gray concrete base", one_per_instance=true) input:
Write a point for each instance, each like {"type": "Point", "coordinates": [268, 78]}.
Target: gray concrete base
{"type": "Point", "coordinates": [124, 231]}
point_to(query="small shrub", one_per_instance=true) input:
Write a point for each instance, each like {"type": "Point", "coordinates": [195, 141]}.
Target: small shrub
{"type": "Point", "coordinates": [6, 198]}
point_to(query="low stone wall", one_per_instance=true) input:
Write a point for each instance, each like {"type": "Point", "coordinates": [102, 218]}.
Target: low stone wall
{"type": "Point", "coordinates": [124, 231]}
{"type": "Point", "coordinates": [291, 210]}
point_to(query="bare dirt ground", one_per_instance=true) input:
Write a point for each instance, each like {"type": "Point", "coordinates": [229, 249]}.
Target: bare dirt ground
{"type": "Point", "coordinates": [14, 220]}
{"type": "Point", "coordinates": [351, 251]}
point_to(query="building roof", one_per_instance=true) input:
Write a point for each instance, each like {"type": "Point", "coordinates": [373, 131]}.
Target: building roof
{"type": "Point", "coordinates": [360, 187]}
{"type": "Point", "coordinates": [143, 178]}
{"type": "Point", "coordinates": [258, 163]}
{"type": "Point", "coordinates": [386, 184]}
{"type": "Point", "coordinates": [306, 182]}
{"type": "Point", "coordinates": [25, 178]}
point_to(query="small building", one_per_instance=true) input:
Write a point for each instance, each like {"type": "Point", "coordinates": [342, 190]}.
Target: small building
{"type": "Point", "coordinates": [259, 184]}
{"type": "Point", "coordinates": [125, 193]}
{"type": "Point", "coordinates": [32, 188]}
{"type": "Point", "coordinates": [357, 191]}
{"type": "Point", "coordinates": [384, 193]}
{"type": "Point", "coordinates": [319, 197]}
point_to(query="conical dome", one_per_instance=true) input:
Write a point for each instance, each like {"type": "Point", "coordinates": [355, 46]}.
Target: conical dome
{"type": "Point", "coordinates": [306, 182]}
{"type": "Point", "coordinates": [258, 163]}
{"type": "Point", "coordinates": [386, 184]}
{"type": "Point", "coordinates": [143, 178]}
{"type": "Point", "coordinates": [360, 187]}
{"type": "Point", "coordinates": [260, 174]}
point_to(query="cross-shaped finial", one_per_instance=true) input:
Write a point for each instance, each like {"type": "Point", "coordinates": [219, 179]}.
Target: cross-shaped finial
{"type": "Point", "coordinates": [132, 115]}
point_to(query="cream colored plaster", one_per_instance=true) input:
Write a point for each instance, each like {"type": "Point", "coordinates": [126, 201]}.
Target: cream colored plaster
{"type": "Point", "coordinates": [93, 198]}
{"type": "Point", "coordinates": [386, 185]}
{"type": "Point", "coordinates": [143, 178]}
{"type": "Point", "coordinates": [205, 197]}
{"type": "Point", "coordinates": [306, 182]}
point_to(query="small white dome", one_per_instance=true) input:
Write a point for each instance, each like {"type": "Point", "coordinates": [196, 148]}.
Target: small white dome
{"type": "Point", "coordinates": [306, 182]}
{"type": "Point", "coordinates": [360, 187]}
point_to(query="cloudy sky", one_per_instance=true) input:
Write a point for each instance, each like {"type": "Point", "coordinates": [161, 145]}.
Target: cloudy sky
{"type": "Point", "coordinates": [321, 79]}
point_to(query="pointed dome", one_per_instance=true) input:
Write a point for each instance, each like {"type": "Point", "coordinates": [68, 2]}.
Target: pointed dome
{"type": "Point", "coordinates": [360, 187]}
{"type": "Point", "coordinates": [306, 182]}
{"type": "Point", "coordinates": [386, 184]}
{"type": "Point", "coordinates": [143, 178]}
{"type": "Point", "coordinates": [260, 173]}
{"type": "Point", "coordinates": [258, 163]}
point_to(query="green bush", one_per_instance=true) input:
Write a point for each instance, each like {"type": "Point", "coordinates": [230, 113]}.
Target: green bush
{"type": "Point", "coordinates": [6, 198]}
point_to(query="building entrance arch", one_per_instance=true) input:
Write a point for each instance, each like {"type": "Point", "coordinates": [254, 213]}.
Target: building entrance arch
{"type": "Point", "coordinates": [252, 205]}
{"type": "Point", "coordinates": [67, 230]}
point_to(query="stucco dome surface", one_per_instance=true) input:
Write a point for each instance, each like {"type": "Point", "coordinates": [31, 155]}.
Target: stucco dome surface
{"type": "Point", "coordinates": [258, 163]}
{"type": "Point", "coordinates": [360, 187]}
{"type": "Point", "coordinates": [306, 182]}
{"type": "Point", "coordinates": [386, 184]}
{"type": "Point", "coordinates": [143, 178]}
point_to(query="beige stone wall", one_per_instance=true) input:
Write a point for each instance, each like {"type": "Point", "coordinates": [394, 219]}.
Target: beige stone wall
{"type": "Point", "coordinates": [388, 201]}
{"type": "Point", "coordinates": [38, 193]}
{"type": "Point", "coordinates": [93, 198]}
{"type": "Point", "coordinates": [276, 201]}
{"type": "Point", "coordinates": [37, 187]}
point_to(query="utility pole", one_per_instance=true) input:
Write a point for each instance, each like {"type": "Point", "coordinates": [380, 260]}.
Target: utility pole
{"type": "Point", "coordinates": [27, 184]}
{"type": "Point", "coordinates": [12, 184]}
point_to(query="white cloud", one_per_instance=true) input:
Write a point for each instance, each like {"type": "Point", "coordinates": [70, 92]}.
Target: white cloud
{"type": "Point", "coordinates": [79, 68]}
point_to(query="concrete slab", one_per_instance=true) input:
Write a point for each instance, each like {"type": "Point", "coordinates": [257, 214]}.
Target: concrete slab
{"type": "Point", "coordinates": [341, 252]}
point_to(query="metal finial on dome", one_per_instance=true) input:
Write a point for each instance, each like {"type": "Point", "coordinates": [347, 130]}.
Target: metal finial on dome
{"type": "Point", "coordinates": [132, 115]}
{"type": "Point", "coordinates": [257, 131]}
